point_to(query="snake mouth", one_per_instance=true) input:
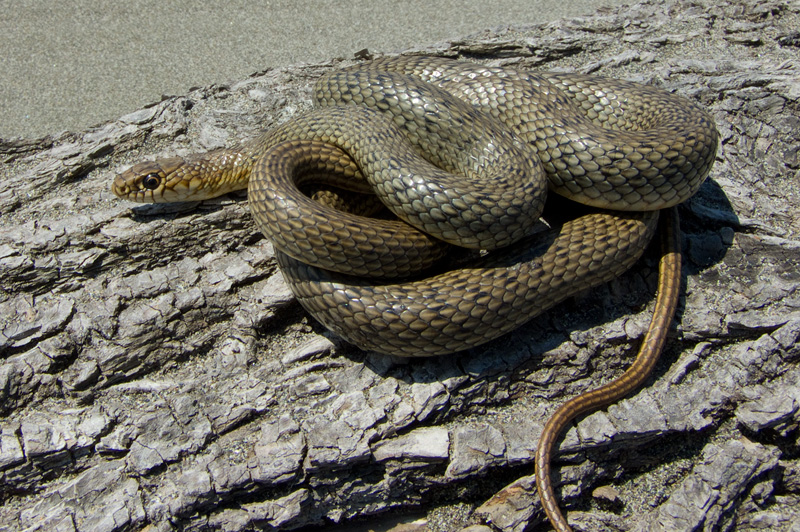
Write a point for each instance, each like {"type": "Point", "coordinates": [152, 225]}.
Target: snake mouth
{"type": "Point", "coordinates": [120, 188]}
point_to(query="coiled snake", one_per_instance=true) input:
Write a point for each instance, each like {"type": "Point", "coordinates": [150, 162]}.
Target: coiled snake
{"type": "Point", "coordinates": [461, 154]}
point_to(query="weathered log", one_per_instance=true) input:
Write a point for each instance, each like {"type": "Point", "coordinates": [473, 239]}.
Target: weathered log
{"type": "Point", "coordinates": [154, 369]}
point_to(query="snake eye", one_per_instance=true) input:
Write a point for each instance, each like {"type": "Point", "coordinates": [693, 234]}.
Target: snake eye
{"type": "Point", "coordinates": [151, 181]}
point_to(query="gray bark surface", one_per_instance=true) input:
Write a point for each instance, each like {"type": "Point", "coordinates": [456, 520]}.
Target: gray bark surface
{"type": "Point", "coordinates": [156, 373]}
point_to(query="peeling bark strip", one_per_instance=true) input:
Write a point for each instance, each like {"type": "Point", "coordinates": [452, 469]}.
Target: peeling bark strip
{"type": "Point", "coordinates": [154, 370]}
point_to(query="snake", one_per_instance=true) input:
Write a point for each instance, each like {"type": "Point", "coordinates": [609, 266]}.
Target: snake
{"type": "Point", "coordinates": [461, 156]}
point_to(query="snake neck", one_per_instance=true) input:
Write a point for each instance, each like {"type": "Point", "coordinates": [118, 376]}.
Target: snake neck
{"type": "Point", "coordinates": [224, 170]}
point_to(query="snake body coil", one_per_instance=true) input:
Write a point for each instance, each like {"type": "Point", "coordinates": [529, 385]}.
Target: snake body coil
{"type": "Point", "coordinates": [462, 155]}
{"type": "Point", "coordinates": [459, 152]}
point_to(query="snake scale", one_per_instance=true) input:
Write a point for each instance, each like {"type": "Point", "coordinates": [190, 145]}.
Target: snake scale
{"type": "Point", "coordinates": [461, 155]}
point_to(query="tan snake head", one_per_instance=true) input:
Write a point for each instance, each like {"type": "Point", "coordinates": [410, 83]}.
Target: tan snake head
{"type": "Point", "coordinates": [177, 179]}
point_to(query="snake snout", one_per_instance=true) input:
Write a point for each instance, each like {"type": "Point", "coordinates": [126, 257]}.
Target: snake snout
{"type": "Point", "coordinates": [120, 186]}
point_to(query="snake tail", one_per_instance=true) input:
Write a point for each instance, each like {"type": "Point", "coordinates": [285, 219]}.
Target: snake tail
{"type": "Point", "coordinates": [669, 280]}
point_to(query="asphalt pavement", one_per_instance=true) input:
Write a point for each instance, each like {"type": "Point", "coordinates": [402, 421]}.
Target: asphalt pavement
{"type": "Point", "coordinates": [71, 64]}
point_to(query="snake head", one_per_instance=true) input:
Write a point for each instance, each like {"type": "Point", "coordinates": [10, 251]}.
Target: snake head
{"type": "Point", "coordinates": [193, 178]}
{"type": "Point", "coordinates": [159, 181]}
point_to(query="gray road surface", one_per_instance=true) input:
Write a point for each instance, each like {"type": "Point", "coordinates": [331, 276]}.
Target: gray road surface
{"type": "Point", "coordinates": [71, 64]}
